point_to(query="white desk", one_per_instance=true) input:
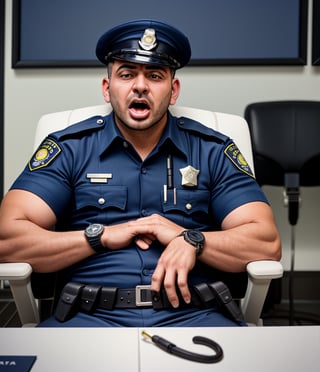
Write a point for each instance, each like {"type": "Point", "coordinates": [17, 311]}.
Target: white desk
{"type": "Point", "coordinates": [124, 349]}
{"type": "Point", "coordinates": [268, 349]}
{"type": "Point", "coordinates": [74, 349]}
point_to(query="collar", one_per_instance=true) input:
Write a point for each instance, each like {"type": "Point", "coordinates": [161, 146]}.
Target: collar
{"type": "Point", "coordinates": [172, 137]}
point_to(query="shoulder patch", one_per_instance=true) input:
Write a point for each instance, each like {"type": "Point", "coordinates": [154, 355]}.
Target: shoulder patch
{"type": "Point", "coordinates": [45, 154]}
{"type": "Point", "coordinates": [234, 154]}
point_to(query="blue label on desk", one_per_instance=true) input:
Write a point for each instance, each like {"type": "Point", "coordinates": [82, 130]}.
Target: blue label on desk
{"type": "Point", "coordinates": [16, 363]}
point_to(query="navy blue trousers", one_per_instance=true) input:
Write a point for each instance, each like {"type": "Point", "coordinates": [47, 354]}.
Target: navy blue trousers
{"type": "Point", "coordinates": [190, 317]}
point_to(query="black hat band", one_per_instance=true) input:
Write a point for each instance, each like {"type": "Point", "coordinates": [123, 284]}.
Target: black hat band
{"type": "Point", "coordinates": [162, 54]}
{"type": "Point", "coordinates": [151, 57]}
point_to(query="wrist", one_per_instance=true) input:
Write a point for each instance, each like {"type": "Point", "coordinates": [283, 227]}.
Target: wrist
{"type": "Point", "coordinates": [93, 235]}
{"type": "Point", "coordinates": [195, 238]}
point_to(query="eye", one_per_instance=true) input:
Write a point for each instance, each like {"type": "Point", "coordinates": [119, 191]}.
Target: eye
{"type": "Point", "coordinates": [155, 76]}
{"type": "Point", "coordinates": [126, 75]}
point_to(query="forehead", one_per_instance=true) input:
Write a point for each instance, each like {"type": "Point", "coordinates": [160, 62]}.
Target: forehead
{"type": "Point", "coordinates": [119, 65]}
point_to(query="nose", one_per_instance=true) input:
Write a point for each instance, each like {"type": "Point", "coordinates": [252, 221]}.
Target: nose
{"type": "Point", "coordinates": [140, 85]}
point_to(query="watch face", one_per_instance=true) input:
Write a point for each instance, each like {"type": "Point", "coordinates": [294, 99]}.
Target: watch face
{"type": "Point", "coordinates": [195, 236]}
{"type": "Point", "coordinates": [94, 230]}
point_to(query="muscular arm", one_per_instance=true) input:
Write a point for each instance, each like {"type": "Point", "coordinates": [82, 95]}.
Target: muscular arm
{"type": "Point", "coordinates": [26, 235]}
{"type": "Point", "coordinates": [248, 234]}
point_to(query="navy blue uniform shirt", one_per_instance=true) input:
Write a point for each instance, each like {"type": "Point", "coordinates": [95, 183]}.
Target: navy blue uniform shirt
{"type": "Point", "coordinates": [63, 173]}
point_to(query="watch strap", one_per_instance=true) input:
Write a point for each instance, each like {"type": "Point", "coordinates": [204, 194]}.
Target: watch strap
{"type": "Point", "coordinates": [95, 243]}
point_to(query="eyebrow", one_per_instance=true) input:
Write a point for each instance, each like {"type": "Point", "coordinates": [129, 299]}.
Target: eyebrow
{"type": "Point", "coordinates": [147, 66]}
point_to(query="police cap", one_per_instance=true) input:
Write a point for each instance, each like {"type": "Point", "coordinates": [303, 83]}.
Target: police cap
{"type": "Point", "coordinates": [145, 41]}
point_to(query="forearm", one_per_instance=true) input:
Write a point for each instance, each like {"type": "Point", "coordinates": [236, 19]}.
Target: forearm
{"type": "Point", "coordinates": [45, 250]}
{"type": "Point", "coordinates": [231, 250]}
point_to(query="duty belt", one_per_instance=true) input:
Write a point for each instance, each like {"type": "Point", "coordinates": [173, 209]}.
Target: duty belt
{"type": "Point", "coordinates": [77, 297]}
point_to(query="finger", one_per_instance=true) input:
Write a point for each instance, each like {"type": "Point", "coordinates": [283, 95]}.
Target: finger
{"type": "Point", "coordinates": [142, 243]}
{"type": "Point", "coordinates": [183, 286]}
{"type": "Point", "coordinates": [157, 278]}
{"type": "Point", "coordinates": [170, 287]}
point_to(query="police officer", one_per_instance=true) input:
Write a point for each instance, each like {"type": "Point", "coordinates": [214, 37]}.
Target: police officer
{"type": "Point", "coordinates": [145, 206]}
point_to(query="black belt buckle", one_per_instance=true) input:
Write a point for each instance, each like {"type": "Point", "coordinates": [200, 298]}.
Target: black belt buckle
{"type": "Point", "coordinates": [139, 296]}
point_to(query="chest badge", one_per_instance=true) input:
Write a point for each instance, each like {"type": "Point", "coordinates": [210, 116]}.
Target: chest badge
{"type": "Point", "coordinates": [189, 176]}
{"type": "Point", "coordinates": [99, 177]}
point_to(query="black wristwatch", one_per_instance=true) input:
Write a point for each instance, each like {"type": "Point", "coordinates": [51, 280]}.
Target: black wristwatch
{"type": "Point", "coordinates": [93, 234]}
{"type": "Point", "coordinates": [195, 238]}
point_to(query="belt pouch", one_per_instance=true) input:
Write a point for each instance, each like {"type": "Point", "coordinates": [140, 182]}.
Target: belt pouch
{"type": "Point", "coordinates": [89, 295]}
{"type": "Point", "coordinates": [107, 297]}
{"type": "Point", "coordinates": [204, 295]}
{"type": "Point", "coordinates": [68, 304]}
{"type": "Point", "coordinates": [226, 302]}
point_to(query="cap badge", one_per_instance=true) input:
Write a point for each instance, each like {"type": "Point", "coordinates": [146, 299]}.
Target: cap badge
{"type": "Point", "coordinates": [189, 176]}
{"type": "Point", "coordinates": [148, 40]}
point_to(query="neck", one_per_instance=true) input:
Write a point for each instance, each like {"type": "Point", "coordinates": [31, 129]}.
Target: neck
{"type": "Point", "coordinates": [144, 141]}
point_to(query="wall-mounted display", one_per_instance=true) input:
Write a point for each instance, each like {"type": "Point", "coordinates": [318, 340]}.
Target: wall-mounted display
{"type": "Point", "coordinates": [316, 33]}
{"type": "Point", "coordinates": [63, 33]}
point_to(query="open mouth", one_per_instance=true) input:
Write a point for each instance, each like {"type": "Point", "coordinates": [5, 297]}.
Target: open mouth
{"type": "Point", "coordinates": [139, 109]}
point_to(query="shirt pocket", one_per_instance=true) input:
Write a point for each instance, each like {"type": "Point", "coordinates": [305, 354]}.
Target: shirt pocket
{"type": "Point", "coordinates": [99, 197]}
{"type": "Point", "coordinates": [190, 207]}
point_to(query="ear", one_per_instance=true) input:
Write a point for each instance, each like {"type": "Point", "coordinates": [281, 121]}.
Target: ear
{"type": "Point", "coordinates": [105, 89]}
{"type": "Point", "coordinates": [175, 91]}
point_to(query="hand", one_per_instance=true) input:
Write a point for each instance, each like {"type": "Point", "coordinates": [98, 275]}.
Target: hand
{"type": "Point", "coordinates": [155, 227]}
{"type": "Point", "coordinates": [173, 267]}
{"type": "Point", "coordinates": [121, 235]}
{"type": "Point", "coordinates": [176, 261]}
{"type": "Point", "coordinates": [174, 264]}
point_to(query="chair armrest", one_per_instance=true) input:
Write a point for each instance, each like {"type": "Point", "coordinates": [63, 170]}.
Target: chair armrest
{"type": "Point", "coordinates": [265, 270]}
{"type": "Point", "coordinates": [260, 274]}
{"type": "Point", "coordinates": [18, 275]}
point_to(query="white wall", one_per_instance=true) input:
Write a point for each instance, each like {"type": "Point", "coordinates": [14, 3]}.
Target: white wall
{"type": "Point", "coordinates": [29, 93]}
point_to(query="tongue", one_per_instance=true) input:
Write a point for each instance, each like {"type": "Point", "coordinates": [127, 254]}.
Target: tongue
{"type": "Point", "coordinates": [139, 113]}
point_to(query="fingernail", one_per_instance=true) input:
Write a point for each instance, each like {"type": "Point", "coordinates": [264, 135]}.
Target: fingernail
{"type": "Point", "coordinates": [175, 304]}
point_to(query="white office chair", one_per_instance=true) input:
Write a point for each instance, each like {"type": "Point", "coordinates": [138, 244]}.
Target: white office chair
{"type": "Point", "coordinates": [260, 273]}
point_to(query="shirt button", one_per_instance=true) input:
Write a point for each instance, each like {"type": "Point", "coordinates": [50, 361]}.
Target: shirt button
{"type": "Point", "coordinates": [101, 201]}
{"type": "Point", "coordinates": [188, 206]}
{"type": "Point", "coordinates": [144, 212]}
{"type": "Point", "coordinates": [145, 272]}
{"type": "Point", "coordinates": [100, 121]}
{"type": "Point", "coordinates": [144, 170]}
{"type": "Point", "coordinates": [125, 144]}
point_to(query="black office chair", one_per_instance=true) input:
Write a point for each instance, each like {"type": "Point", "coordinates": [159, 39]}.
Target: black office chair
{"type": "Point", "coordinates": [286, 150]}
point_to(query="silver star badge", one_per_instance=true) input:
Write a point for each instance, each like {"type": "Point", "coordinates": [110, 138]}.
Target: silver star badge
{"type": "Point", "coordinates": [189, 176]}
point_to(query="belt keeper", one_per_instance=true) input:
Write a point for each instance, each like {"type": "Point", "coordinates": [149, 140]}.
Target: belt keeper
{"type": "Point", "coordinates": [89, 295]}
{"type": "Point", "coordinates": [68, 303]}
{"type": "Point", "coordinates": [157, 300]}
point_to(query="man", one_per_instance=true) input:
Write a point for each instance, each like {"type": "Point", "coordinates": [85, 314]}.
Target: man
{"type": "Point", "coordinates": [137, 198]}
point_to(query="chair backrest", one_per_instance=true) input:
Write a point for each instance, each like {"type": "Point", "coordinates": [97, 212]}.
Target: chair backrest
{"type": "Point", "coordinates": [285, 139]}
{"type": "Point", "coordinates": [232, 125]}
